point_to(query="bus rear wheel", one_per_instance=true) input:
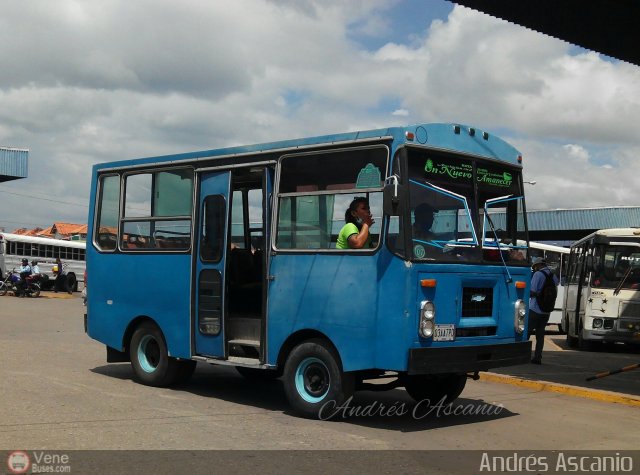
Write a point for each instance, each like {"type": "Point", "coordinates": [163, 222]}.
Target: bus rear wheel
{"type": "Point", "coordinates": [435, 387]}
{"type": "Point", "coordinates": [72, 283]}
{"type": "Point", "coordinates": [314, 382]}
{"type": "Point", "coordinates": [150, 359]}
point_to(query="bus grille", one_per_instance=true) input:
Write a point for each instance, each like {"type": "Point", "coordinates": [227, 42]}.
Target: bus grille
{"type": "Point", "coordinates": [477, 302]}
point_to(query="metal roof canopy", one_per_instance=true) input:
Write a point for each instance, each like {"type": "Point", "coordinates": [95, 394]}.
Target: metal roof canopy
{"type": "Point", "coordinates": [610, 27]}
{"type": "Point", "coordinates": [13, 163]}
{"type": "Point", "coordinates": [573, 224]}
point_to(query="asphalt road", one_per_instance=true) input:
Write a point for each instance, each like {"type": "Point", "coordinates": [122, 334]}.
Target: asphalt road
{"type": "Point", "coordinates": [59, 394]}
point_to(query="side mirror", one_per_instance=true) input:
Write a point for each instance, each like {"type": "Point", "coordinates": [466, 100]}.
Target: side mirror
{"type": "Point", "coordinates": [589, 263]}
{"type": "Point", "coordinates": [392, 196]}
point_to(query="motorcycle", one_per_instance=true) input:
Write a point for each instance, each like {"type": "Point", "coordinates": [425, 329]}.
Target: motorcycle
{"type": "Point", "coordinates": [13, 283]}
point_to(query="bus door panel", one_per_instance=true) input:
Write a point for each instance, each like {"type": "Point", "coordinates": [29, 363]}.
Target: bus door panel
{"type": "Point", "coordinates": [209, 318]}
{"type": "Point", "coordinates": [267, 200]}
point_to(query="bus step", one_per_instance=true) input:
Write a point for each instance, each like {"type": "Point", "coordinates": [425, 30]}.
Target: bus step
{"type": "Point", "coordinates": [243, 361]}
{"type": "Point", "coordinates": [253, 343]}
{"type": "Point", "coordinates": [244, 348]}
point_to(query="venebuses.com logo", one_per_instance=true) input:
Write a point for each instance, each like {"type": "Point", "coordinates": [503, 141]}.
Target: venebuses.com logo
{"type": "Point", "coordinates": [18, 462]}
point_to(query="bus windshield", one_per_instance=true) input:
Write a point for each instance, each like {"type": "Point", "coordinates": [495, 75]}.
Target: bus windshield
{"type": "Point", "coordinates": [617, 266]}
{"type": "Point", "coordinates": [455, 217]}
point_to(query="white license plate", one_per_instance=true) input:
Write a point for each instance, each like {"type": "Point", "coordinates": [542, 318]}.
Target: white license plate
{"type": "Point", "coordinates": [445, 332]}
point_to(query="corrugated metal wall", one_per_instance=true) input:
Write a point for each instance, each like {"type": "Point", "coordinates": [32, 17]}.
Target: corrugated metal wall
{"type": "Point", "coordinates": [586, 218]}
{"type": "Point", "coordinates": [13, 163]}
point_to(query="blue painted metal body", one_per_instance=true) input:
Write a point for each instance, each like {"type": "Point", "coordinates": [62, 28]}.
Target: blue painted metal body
{"type": "Point", "coordinates": [366, 305]}
{"type": "Point", "coordinates": [369, 306]}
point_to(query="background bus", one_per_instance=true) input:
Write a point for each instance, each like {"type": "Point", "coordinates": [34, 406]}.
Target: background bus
{"type": "Point", "coordinates": [602, 295]}
{"type": "Point", "coordinates": [557, 258]}
{"type": "Point", "coordinates": [15, 247]}
{"type": "Point", "coordinates": [231, 259]}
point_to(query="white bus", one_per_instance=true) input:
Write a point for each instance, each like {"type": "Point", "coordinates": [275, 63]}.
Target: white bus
{"type": "Point", "coordinates": [602, 295]}
{"type": "Point", "coordinates": [15, 247]}
{"type": "Point", "coordinates": [557, 258]}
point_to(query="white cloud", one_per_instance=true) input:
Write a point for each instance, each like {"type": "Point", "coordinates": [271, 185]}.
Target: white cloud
{"type": "Point", "coordinates": [97, 81]}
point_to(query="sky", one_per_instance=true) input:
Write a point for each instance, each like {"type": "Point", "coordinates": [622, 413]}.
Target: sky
{"type": "Point", "coordinates": [89, 81]}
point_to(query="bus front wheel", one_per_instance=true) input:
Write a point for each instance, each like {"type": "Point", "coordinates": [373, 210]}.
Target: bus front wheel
{"type": "Point", "coordinates": [434, 388]}
{"type": "Point", "coordinates": [314, 382]}
{"type": "Point", "coordinates": [150, 359]}
{"type": "Point", "coordinates": [572, 341]}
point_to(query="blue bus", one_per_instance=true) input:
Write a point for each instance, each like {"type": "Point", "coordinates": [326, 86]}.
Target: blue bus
{"type": "Point", "coordinates": [229, 257]}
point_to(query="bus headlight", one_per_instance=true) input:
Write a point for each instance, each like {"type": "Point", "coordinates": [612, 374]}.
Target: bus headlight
{"type": "Point", "coordinates": [519, 317]}
{"type": "Point", "coordinates": [427, 316]}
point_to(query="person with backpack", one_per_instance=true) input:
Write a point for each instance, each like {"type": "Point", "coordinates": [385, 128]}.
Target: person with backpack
{"type": "Point", "coordinates": [544, 290]}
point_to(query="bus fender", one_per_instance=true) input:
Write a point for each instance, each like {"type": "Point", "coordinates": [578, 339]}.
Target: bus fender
{"type": "Point", "coordinates": [298, 337]}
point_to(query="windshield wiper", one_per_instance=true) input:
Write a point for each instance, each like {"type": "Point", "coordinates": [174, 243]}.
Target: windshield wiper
{"type": "Point", "coordinates": [495, 235]}
{"type": "Point", "coordinates": [622, 281]}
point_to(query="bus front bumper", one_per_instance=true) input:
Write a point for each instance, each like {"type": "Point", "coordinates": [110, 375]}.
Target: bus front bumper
{"type": "Point", "coordinates": [612, 336]}
{"type": "Point", "coordinates": [466, 359]}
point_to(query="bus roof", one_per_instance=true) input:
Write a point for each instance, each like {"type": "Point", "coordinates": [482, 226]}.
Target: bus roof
{"type": "Point", "coordinates": [549, 247]}
{"type": "Point", "coordinates": [611, 233]}
{"type": "Point", "coordinates": [457, 137]}
{"type": "Point", "coordinates": [42, 240]}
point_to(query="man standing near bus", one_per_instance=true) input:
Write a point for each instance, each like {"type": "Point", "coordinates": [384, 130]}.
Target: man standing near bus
{"type": "Point", "coordinates": [542, 302]}
{"type": "Point", "coordinates": [61, 277]}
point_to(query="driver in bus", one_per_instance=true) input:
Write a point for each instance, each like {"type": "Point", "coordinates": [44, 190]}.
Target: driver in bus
{"type": "Point", "coordinates": [423, 220]}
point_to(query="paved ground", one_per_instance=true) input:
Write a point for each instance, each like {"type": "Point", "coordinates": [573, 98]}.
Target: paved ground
{"type": "Point", "coordinates": [565, 366]}
{"type": "Point", "coordinates": [60, 396]}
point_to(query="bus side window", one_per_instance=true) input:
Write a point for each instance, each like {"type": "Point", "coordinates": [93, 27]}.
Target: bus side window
{"type": "Point", "coordinates": [108, 208]}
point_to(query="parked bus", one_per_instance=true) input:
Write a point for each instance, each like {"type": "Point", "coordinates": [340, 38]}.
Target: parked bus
{"type": "Point", "coordinates": [556, 258]}
{"type": "Point", "coordinates": [15, 247]}
{"type": "Point", "coordinates": [229, 257]}
{"type": "Point", "coordinates": [602, 295]}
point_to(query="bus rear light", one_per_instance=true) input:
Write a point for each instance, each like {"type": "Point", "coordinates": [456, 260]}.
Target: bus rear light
{"type": "Point", "coordinates": [519, 158]}
{"type": "Point", "coordinates": [430, 283]}
{"type": "Point", "coordinates": [519, 316]}
{"type": "Point", "coordinates": [521, 285]}
{"type": "Point", "coordinates": [409, 135]}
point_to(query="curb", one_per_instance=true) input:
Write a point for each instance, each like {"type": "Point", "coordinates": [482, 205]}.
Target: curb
{"type": "Point", "coordinates": [594, 394]}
